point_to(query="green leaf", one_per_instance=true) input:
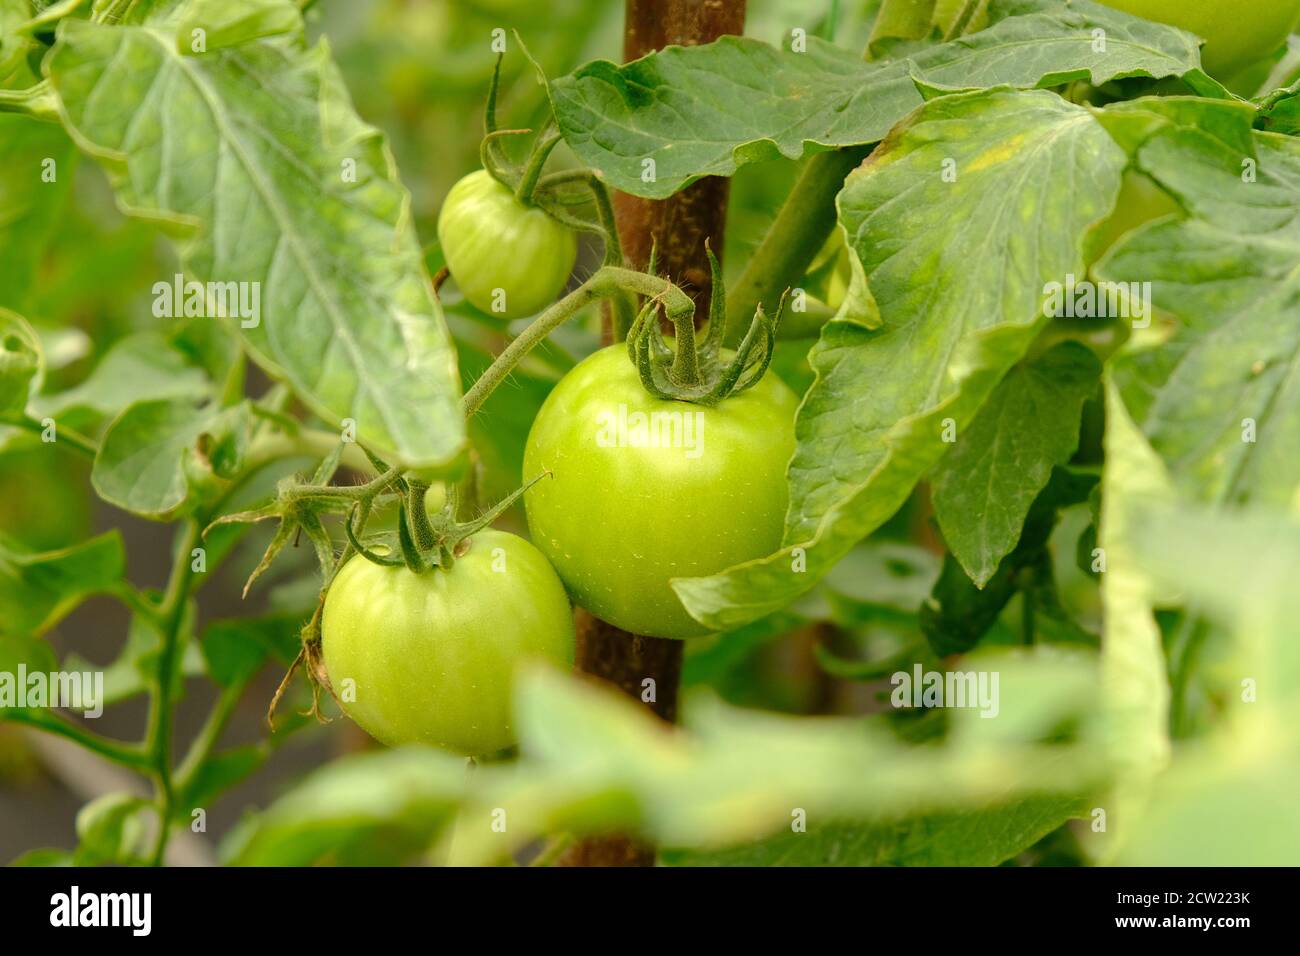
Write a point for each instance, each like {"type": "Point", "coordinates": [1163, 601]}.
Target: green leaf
{"type": "Point", "coordinates": [1221, 799]}
{"type": "Point", "coordinates": [373, 809]}
{"type": "Point", "coordinates": [38, 590]}
{"type": "Point", "coordinates": [111, 830]}
{"type": "Point", "coordinates": [706, 110]}
{"type": "Point", "coordinates": [138, 368]}
{"type": "Point", "coordinates": [1217, 396]}
{"type": "Point", "coordinates": [1218, 806]}
{"type": "Point", "coordinates": [21, 362]}
{"type": "Point", "coordinates": [901, 20]}
{"type": "Point", "coordinates": [255, 158]}
{"type": "Point", "coordinates": [1133, 664]}
{"type": "Point", "coordinates": [15, 71]}
{"type": "Point", "coordinates": [47, 856]}
{"type": "Point", "coordinates": [153, 450]}
{"type": "Point", "coordinates": [36, 164]}
{"type": "Point", "coordinates": [958, 273]}
{"type": "Point", "coordinates": [229, 23]}
{"type": "Point", "coordinates": [19, 649]}
{"type": "Point", "coordinates": [591, 760]}
{"type": "Point", "coordinates": [219, 773]}
{"type": "Point", "coordinates": [959, 611]}
{"type": "Point", "coordinates": [985, 485]}
{"type": "Point", "coordinates": [984, 837]}
{"type": "Point", "coordinates": [880, 579]}
{"type": "Point", "coordinates": [135, 668]}
{"type": "Point", "coordinates": [236, 649]}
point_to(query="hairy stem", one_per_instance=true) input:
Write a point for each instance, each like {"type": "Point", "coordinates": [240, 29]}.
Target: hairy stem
{"type": "Point", "coordinates": [606, 282]}
{"type": "Point", "coordinates": [158, 743]}
{"type": "Point", "coordinates": [307, 443]}
{"type": "Point", "coordinates": [536, 162]}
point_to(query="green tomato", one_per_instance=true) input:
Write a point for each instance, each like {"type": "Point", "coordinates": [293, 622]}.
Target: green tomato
{"type": "Point", "coordinates": [507, 258]}
{"type": "Point", "coordinates": [1139, 201]}
{"type": "Point", "coordinates": [645, 490]}
{"type": "Point", "coordinates": [1236, 33]}
{"type": "Point", "coordinates": [432, 656]}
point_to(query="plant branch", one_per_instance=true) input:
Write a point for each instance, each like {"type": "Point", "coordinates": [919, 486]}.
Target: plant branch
{"type": "Point", "coordinates": [606, 282]}
{"type": "Point", "coordinates": [39, 102]}
{"type": "Point", "coordinates": [793, 240]}
{"type": "Point", "coordinates": [80, 442]}
{"type": "Point", "coordinates": [128, 755]}
{"type": "Point", "coordinates": [202, 746]}
{"type": "Point", "coordinates": [158, 742]}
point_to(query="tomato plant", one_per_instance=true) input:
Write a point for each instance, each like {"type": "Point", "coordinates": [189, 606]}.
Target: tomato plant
{"type": "Point", "coordinates": [899, 396]}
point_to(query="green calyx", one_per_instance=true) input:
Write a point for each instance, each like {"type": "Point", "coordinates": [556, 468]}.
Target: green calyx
{"type": "Point", "coordinates": [423, 542]}
{"type": "Point", "coordinates": [700, 372]}
{"type": "Point", "coordinates": [577, 198]}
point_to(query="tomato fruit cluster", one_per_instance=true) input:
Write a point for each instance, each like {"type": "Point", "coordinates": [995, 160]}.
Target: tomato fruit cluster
{"type": "Point", "coordinates": [644, 490]}
{"type": "Point", "coordinates": [508, 259]}
{"type": "Point", "coordinates": [431, 658]}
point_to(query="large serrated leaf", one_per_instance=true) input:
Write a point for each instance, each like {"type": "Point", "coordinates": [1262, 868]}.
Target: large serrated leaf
{"type": "Point", "coordinates": [254, 155]}
{"type": "Point", "coordinates": [705, 110]}
{"type": "Point", "coordinates": [1219, 397]}
{"type": "Point", "coordinates": [958, 270]}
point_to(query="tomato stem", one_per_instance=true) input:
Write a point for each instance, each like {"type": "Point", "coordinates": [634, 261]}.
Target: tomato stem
{"type": "Point", "coordinates": [158, 742]}
{"type": "Point", "coordinates": [605, 282]}
{"type": "Point", "coordinates": [800, 229]}
{"type": "Point", "coordinates": [527, 187]}
{"type": "Point", "coordinates": [423, 531]}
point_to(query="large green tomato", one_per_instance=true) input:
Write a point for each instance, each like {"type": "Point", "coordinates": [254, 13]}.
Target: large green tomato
{"type": "Point", "coordinates": [432, 656]}
{"type": "Point", "coordinates": [507, 258]}
{"type": "Point", "coordinates": [645, 490]}
{"type": "Point", "coordinates": [1236, 32]}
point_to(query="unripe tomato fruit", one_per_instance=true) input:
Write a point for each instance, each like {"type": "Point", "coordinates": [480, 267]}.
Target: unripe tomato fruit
{"type": "Point", "coordinates": [433, 656]}
{"type": "Point", "coordinates": [493, 241]}
{"type": "Point", "coordinates": [618, 519]}
{"type": "Point", "coordinates": [1139, 201]}
{"type": "Point", "coordinates": [1236, 32]}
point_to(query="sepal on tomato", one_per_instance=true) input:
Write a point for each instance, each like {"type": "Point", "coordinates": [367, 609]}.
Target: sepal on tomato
{"type": "Point", "coordinates": [703, 374]}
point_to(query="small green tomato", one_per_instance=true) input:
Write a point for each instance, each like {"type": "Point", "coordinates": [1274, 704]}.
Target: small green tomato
{"type": "Point", "coordinates": [431, 658]}
{"type": "Point", "coordinates": [508, 259]}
